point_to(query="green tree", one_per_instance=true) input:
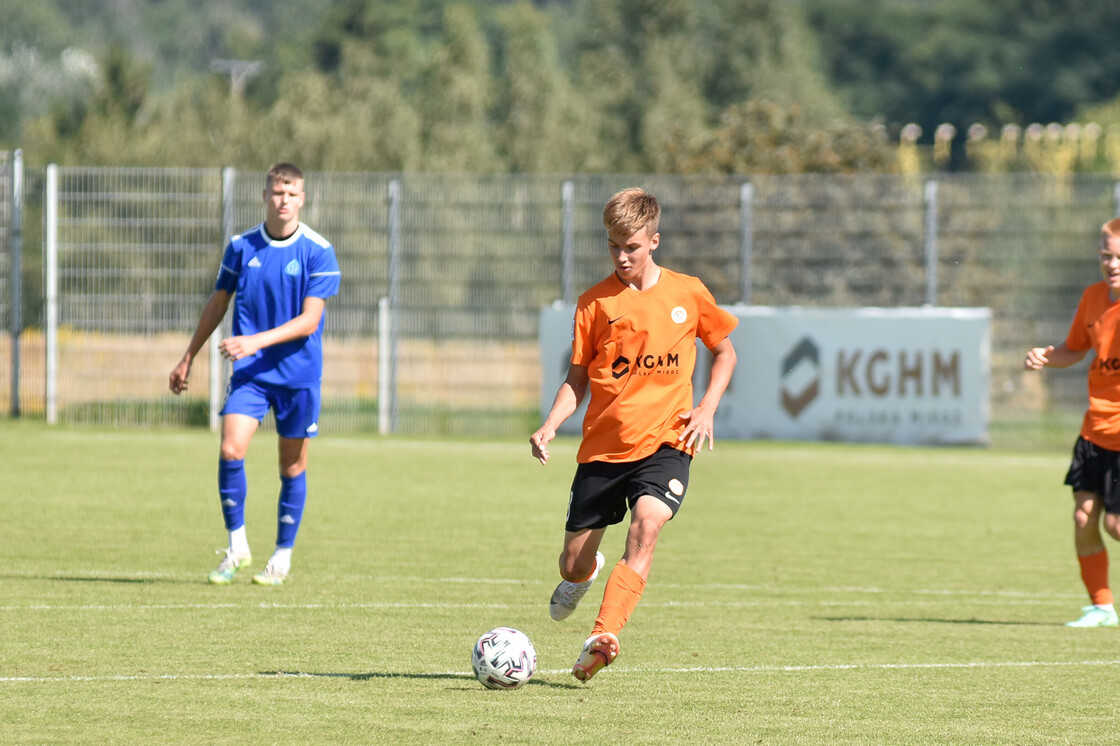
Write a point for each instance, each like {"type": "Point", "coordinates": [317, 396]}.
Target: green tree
{"type": "Point", "coordinates": [613, 64]}
{"type": "Point", "coordinates": [457, 93]}
{"type": "Point", "coordinates": [675, 116]}
{"type": "Point", "coordinates": [382, 38]}
{"type": "Point", "coordinates": [963, 62]}
{"type": "Point", "coordinates": [664, 72]}
{"type": "Point", "coordinates": [761, 137]}
{"type": "Point", "coordinates": [765, 49]}
{"type": "Point", "coordinates": [100, 129]}
{"type": "Point", "coordinates": [32, 86]}
{"type": "Point", "coordinates": [39, 25]}
{"type": "Point", "coordinates": [366, 125]}
{"type": "Point", "coordinates": [543, 124]}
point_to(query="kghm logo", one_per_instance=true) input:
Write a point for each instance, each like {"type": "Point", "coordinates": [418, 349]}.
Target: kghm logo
{"type": "Point", "coordinates": [620, 366]}
{"type": "Point", "coordinates": [801, 379]}
{"type": "Point", "coordinates": [644, 365]}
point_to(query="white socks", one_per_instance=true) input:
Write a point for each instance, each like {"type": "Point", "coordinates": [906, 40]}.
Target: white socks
{"type": "Point", "coordinates": [238, 541]}
{"type": "Point", "coordinates": [239, 544]}
{"type": "Point", "coordinates": [282, 559]}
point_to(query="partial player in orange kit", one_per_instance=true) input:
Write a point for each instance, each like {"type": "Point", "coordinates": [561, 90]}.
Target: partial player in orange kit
{"type": "Point", "coordinates": [1094, 472]}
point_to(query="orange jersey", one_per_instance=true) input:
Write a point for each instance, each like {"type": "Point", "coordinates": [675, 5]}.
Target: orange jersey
{"type": "Point", "coordinates": [639, 348]}
{"type": "Point", "coordinates": [1094, 328]}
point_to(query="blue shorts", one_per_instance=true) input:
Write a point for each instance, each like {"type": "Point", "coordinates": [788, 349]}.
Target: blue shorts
{"type": "Point", "coordinates": [296, 410]}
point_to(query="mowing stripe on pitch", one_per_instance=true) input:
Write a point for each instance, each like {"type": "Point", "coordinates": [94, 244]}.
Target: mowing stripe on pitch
{"type": "Point", "coordinates": [96, 575]}
{"type": "Point", "coordinates": [265, 606]}
{"type": "Point", "coordinates": [558, 671]}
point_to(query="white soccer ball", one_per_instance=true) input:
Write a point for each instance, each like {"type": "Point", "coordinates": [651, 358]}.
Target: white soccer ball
{"type": "Point", "coordinates": [503, 658]}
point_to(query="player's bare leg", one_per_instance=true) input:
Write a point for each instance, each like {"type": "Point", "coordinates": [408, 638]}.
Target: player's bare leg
{"type": "Point", "coordinates": [1093, 559]}
{"type": "Point", "coordinates": [624, 587]}
{"type": "Point", "coordinates": [580, 563]}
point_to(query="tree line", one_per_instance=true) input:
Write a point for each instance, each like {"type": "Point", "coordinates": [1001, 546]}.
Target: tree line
{"type": "Point", "coordinates": [565, 86]}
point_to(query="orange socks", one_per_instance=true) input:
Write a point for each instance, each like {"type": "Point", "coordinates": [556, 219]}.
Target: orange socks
{"type": "Point", "coordinates": [1094, 573]}
{"type": "Point", "coordinates": [620, 597]}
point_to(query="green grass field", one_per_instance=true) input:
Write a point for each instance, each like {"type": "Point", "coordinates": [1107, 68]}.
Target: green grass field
{"type": "Point", "coordinates": [806, 594]}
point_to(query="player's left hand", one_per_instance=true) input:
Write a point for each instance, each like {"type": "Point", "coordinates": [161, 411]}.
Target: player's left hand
{"type": "Point", "coordinates": [700, 426]}
{"type": "Point", "coordinates": [236, 348]}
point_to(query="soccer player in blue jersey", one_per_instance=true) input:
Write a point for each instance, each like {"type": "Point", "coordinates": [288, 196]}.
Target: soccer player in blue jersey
{"type": "Point", "coordinates": [279, 275]}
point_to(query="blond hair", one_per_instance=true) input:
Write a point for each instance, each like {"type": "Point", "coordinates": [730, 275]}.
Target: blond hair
{"type": "Point", "coordinates": [631, 210]}
{"type": "Point", "coordinates": [1111, 229]}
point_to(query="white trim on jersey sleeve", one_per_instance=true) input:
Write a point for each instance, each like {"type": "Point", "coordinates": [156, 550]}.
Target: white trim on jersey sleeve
{"type": "Point", "coordinates": [314, 237]}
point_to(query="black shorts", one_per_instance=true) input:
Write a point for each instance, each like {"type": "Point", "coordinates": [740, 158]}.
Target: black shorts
{"type": "Point", "coordinates": [601, 491]}
{"type": "Point", "coordinates": [1096, 469]}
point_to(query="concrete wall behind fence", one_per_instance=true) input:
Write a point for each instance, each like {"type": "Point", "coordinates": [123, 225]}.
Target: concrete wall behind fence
{"type": "Point", "coordinates": [468, 261]}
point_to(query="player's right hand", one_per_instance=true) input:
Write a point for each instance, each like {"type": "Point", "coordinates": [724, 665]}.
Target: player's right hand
{"type": "Point", "coordinates": [177, 381]}
{"type": "Point", "coordinates": [1038, 357]}
{"type": "Point", "coordinates": [539, 441]}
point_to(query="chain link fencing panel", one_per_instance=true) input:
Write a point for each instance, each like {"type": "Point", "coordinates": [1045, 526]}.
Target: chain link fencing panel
{"type": "Point", "coordinates": [477, 256]}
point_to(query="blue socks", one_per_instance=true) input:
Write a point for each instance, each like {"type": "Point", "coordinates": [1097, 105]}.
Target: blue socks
{"type": "Point", "coordinates": [293, 496]}
{"type": "Point", "coordinates": [232, 489]}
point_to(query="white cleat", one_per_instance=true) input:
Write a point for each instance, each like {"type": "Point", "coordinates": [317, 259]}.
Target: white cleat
{"type": "Point", "coordinates": [228, 567]}
{"type": "Point", "coordinates": [567, 595]}
{"type": "Point", "coordinates": [272, 575]}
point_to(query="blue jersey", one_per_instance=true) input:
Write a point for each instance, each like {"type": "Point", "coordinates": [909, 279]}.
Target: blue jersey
{"type": "Point", "coordinates": [270, 280]}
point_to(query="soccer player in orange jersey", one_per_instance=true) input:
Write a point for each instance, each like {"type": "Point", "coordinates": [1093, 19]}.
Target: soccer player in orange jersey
{"type": "Point", "coordinates": [1094, 472]}
{"type": "Point", "coordinates": [633, 349]}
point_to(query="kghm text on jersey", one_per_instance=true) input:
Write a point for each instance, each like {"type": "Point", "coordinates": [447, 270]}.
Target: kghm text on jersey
{"type": "Point", "coordinates": [645, 365]}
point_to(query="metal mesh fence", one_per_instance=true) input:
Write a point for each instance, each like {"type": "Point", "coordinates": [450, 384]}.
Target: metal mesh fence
{"type": "Point", "coordinates": [468, 261]}
{"type": "Point", "coordinates": [843, 241]}
{"type": "Point", "coordinates": [135, 250]}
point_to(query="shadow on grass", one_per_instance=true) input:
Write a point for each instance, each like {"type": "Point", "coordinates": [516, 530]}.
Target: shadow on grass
{"type": "Point", "coordinates": [933, 621]}
{"type": "Point", "coordinates": [464, 677]}
{"type": "Point", "coordinates": [86, 579]}
{"type": "Point", "coordinates": [119, 580]}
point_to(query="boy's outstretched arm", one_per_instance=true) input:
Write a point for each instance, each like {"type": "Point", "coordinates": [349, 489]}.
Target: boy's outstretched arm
{"type": "Point", "coordinates": [1052, 357]}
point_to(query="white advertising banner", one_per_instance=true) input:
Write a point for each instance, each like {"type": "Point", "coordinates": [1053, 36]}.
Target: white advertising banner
{"type": "Point", "coordinates": [882, 375]}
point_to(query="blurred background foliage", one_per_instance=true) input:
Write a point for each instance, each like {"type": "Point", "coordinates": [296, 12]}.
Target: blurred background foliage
{"type": "Point", "coordinates": [566, 86]}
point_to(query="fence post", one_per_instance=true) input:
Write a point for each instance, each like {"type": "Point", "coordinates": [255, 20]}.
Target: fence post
{"type": "Point", "coordinates": [16, 314]}
{"type": "Point", "coordinates": [50, 260]}
{"type": "Point", "coordinates": [391, 311]}
{"type": "Point", "coordinates": [746, 242]}
{"type": "Point", "coordinates": [931, 242]}
{"type": "Point", "coordinates": [217, 362]}
{"type": "Point", "coordinates": [1116, 198]}
{"type": "Point", "coordinates": [384, 366]}
{"type": "Point", "coordinates": [567, 242]}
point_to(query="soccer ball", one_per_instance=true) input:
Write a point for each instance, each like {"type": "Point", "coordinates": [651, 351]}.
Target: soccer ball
{"type": "Point", "coordinates": [503, 658]}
